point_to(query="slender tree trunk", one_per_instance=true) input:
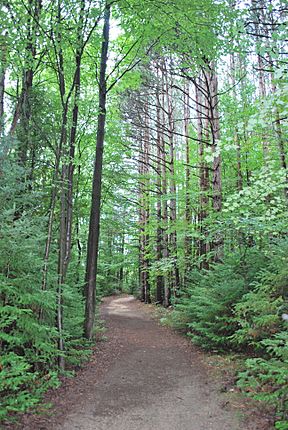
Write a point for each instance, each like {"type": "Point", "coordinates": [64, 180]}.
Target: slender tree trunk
{"type": "Point", "coordinates": [247, 170]}
{"type": "Point", "coordinates": [236, 132]}
{"type": "Point", "coordinates": [62, 251]}
{"type": "Point", "coordinates": [23, 111]}
{"type": "Point", "coordinates": [121, 270]}
{"type": "Point", "coordinates": [69, 169]}
{"type": "Point", "coordinates": [215, 128]}
{"type": "Point", "coordinates": [94, 224]}
{"type": "Point", "coordinates": [141, 220]}
{"type": "Point", "coordinates": [188, 210]}
{"type": "Point", "coordinates": [146, 146]}
{"type": "Point", "coordinates": [258, 15]}
{"type": "Point", "coordinates": [175, 280]}
{"type": "Point", "coordinates": [204, 181]}
{"type": "Point", "coordinates": [54, 188]}
{"type": "Point", "coordinates": [281, 142]}
{"type": "Point", "coordinates": [109, 274]}
{"type": "Point", "coordinates": [212, 91]}
{"type": "Point", "coordinates": [3, 55]}
{"type": "Point", "coordinates": [62, 154]}
{"type": "Point", "coordinates": [165, 246]}
{"type": "Point", "coordinates": [77, 224]}
{"type": "Point", "coordinates": [263, 93]}
{"type": "Point", "coordinates": [67, 173]}
{"type": "Point", "coordinates": [144, 217]}
{"type": "Point", "coordinates": [159, 237]}
{"type": "Point", "coordinates": [145, 205]}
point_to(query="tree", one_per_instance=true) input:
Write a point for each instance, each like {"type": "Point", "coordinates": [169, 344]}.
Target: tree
{"type": "Point", "coordinates": [94, 224]}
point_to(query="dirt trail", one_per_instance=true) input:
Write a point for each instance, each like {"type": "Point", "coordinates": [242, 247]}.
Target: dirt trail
{"type": "Point", "coordinates": [144, 377]}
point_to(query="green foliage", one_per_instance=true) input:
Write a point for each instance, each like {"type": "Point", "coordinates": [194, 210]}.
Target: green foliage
{"type": "Point", "coordinates": [266, 378]}
{"type": "Point", "coordinates": [259, 315]}
{"type": "Point", "coordinates": [234, 305]}
{"type": "Point", "coordinates": [29, 343]}
{"type": "Point", "coordinates": [21, 387]}
{"type": "Point", "coordinates": [239, 305]}
{"type": "Point", "coordinates": [206, 307]}
{"type": "Point", "coordinates": [260, 208]}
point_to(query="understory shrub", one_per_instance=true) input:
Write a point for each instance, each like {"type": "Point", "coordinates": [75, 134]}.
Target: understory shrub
{"type": "Point", "coordinates": [242, 305]}
{"type": "Point", "coordinates": [206, 307]}
{"type": "Point", "coordinates": [28, 337]}
{"type": "Point", "coordinates": [266, 378]}
{"type": "Point", "coordinates": [262, 315]}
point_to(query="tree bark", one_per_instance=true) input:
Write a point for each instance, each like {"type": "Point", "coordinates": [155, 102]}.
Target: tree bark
{"type": "Point", "coordinates": [144, 186]}
{"type": "Point", "coordinates": [212, 92]}
{"type": "Point", "coordinates": [215, 128]}
{"type": "Point", "coordinates": [258, 16]}
{"type": "Point", "coordinates": [141, 220]}
{"type": "Point", "coordinates": [94, 224]}
{"type": "Point", "coordinates": [69, 169]}
{"type": "Point", "coordinates": [236, 132]}
{"type": "Point", "coordinates": [204, 181]}
{"type": "Point", "coordinates": [188, 209]}
{"type": "Point", "coordinates": [3, 59]}
{"type": "Point", "coordinates": [165, 246]}
{"type": "Point", "coordinates": [146, 147]}
{"type": "Point", "coordinates": [159, 237]}
{"type": "Point", "coordinates": [23, 109]}
{"type": "Point", "coordinates": [175, 279]}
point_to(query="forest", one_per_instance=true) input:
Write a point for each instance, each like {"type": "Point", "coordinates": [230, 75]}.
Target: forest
{"type": "Point", "coordinates": [143, 151]}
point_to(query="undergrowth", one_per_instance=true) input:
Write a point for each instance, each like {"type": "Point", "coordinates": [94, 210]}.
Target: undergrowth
{"type": "Point", "coordinates": [241, 306]}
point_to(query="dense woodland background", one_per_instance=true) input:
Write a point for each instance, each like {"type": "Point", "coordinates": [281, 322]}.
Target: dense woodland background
{"type": "Point", "coordinates": [191, 96]}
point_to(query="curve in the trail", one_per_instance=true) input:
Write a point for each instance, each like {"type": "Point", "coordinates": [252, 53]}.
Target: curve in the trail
{"type": "Point", "coordinates": [155, 383]}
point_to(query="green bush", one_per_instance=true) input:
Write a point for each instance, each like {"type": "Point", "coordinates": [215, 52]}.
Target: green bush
{"type": "Point", "coordinates": [28, 343]}
{"type": "Point", "coordinates": [21, 387]}
{"type": "Point", "coordinates": [206, 308]}
{"type": "Point", "coordinates": [259, 315]}
{"type": "Point", "coordinates": [239, 305]}
{"type": "Point", "coordinates": [266, 378]}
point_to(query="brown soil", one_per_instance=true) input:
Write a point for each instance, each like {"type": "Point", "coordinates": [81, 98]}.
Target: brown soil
{"type": "Point", "coordinates": [143, 377]}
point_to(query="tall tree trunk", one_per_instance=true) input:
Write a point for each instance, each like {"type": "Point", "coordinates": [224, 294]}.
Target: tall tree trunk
{"type": "Point", "coordinates": [212, 91]}
{"type": "Point", "coordinates": [215, 129]}
{"type": "Point", "coordinates": [236, 132]}
{"type": "Point", "coordinates": [77, 225]}
{"type": "Point", "coordinates": [62, 154]}
{"type": "Point", "coordinates": [145, 205]}
{"type": "Point", "coordinates": [146, 147]}
{"type": "Point", "coordinates": [242, 69]}
{"type": "Point", "coordinates": [121, 252]}
{"type": "Point", "coordinates": [280, 138]}
{"type": "Point", "coordinates": [204, 181]}
{"type": "Point", "coordinates": [68, 169]}
{"type": "Point", "coordinates": [23, 110]}
{"type": "Point", "coordinates": [53, 198]}
{"type": "Point", "coordinates": [94, 224]}
{"type": "Point", "coordinates": [188, 209]}
{"type": "Point", "coordinates": [262, 93]}
{"type": "Point", "coordinates": [3, 60]}
{"type": "Point", "coordinates": [165, 246]}
{"type": "Point", "coordinates": [159, 237]}
{"type": "Point", "coordinates": [67, 173]}
{"type": "Point", "coordinates": [281, 144]}
{"type": "Point", "coordinates": [175, 280]}
{"type": "Point", "coordinates": [258, 15]}
{"type": "Point", "coordinates": [141, 220]}
{"type": "Point", "coordinates": [141, 242]}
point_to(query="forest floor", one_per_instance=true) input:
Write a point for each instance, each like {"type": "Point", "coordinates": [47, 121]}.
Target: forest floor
{"type": "Point", "coordinates": [143, 376]}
